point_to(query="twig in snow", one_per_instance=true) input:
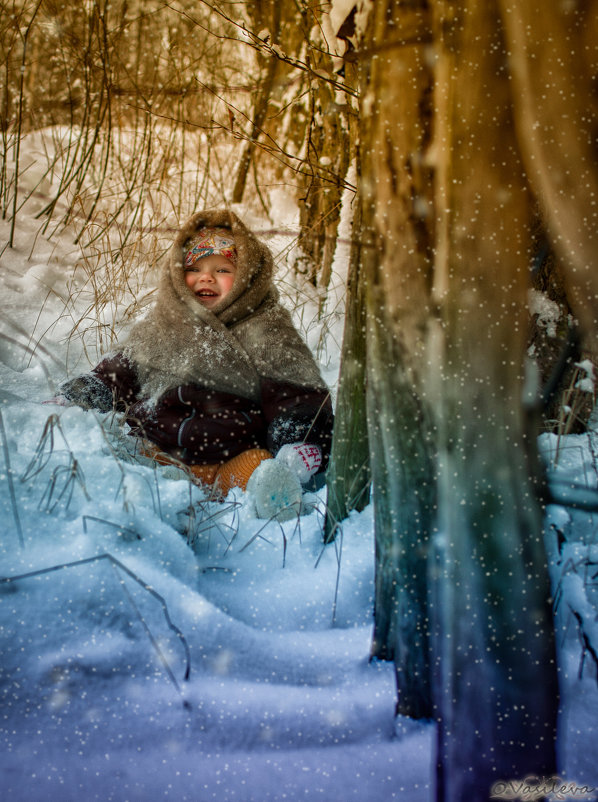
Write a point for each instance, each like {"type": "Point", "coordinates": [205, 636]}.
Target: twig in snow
{"type": "Point", "coordinates": [148, 632]}
{"type": "Point", "coordinates": [74, 474]}
{"type": "Point", "coordinates": [121, 530]}
{"type": "Point", "coordinates": [11, 489]}
{"type": "Point", "coordinates": [339, 553]}
{"type": "Point", "coordinates": [43, 450]}
{"type": "Point", "coordinates": [134, 577]}
{"type": "Point", "coordinates": [586, 644]}
{"type": "Point", "coordinates": [274, 519]}
{"type": "Point", "coordinates": [41, 457]}
{"type": "Point", "coordinates": [208, 520]}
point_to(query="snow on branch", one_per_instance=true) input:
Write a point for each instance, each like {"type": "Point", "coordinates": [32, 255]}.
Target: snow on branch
{"type": "Point", "coordinates": [572, 589]}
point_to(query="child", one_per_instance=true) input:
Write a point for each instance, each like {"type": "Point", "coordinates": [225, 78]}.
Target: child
{"type": "Point", "coordinates": [215, 376]}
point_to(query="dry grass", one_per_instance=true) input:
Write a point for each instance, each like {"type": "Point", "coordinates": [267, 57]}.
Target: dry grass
{"type": "Point", "coordinates": [575, 407]}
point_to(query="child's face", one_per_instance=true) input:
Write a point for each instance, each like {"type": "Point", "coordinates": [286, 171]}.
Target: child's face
{"type": "Point", "coordinates": [211, 279]}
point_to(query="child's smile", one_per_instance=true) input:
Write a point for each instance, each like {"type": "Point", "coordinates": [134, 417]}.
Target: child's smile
{"type": "Point", "coordinates": [211, 279]}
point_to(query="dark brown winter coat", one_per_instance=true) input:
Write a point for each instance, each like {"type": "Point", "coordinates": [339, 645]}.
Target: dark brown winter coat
{"type": "Point", "coordinates": [205, 384]}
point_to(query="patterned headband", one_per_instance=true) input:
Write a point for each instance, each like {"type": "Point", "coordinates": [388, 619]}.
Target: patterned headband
{"type": "Point", "coordinates": [210, 241]}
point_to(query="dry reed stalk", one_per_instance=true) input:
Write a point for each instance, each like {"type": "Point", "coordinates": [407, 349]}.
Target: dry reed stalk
{"type": "Point", "coordinates": [573, 401]}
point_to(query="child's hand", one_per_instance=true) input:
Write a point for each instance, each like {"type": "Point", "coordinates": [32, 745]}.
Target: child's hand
{"type": "Point", "coordinates": [59, 400]}
{"type": "Point", "coordinates": [304, 459]}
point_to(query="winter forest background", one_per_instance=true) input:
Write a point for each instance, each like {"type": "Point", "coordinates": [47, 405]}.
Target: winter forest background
{"type": "Point", "coordinates": [425, 173]}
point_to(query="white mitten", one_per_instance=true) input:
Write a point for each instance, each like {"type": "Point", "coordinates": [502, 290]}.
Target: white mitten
{"type": "Point", "coordinates": [275, 491]}
{"type": "Point", "coordinates": [303, 459]}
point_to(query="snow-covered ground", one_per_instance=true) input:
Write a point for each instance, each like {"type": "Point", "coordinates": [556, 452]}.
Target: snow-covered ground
{"type": "Point", "coordinates": [134, 667]}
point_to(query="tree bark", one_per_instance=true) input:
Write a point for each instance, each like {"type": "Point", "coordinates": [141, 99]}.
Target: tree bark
{"type": "Point", "coordinates": [394, 131]}
{"type": "Point", "coordinates": [348, 475]}
{"type": "Point", "coordinates": [553, 57]}
{"type": "Point", "coordinates": [329, 153]}
{"type": "Point", "coordinates": [497, 691]}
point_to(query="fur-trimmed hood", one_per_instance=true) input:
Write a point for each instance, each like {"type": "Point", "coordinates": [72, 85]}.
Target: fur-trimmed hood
{"type": "Point", "coordinates": [246, 337]}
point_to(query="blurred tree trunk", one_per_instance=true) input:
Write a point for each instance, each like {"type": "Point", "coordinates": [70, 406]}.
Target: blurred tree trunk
{"type": "Point", "coordinates": [497, 694]}
{"type": "Point", "coordinates": [553, 54]}
{"type": "Point", "coordinates": [348, 475]}
{"type": "Point", "coordinates": [265, 15]}
{"type": "Point", "coordinates": [329, 150]}
{"type": "Point", "coordinates": [394, 132]}
{"type": "Point", "coordinates": [557, 127]}
{"type": "Point", "coordinates": [328, 155]}
{"type": "Point", "coordinates": [445, 272]}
